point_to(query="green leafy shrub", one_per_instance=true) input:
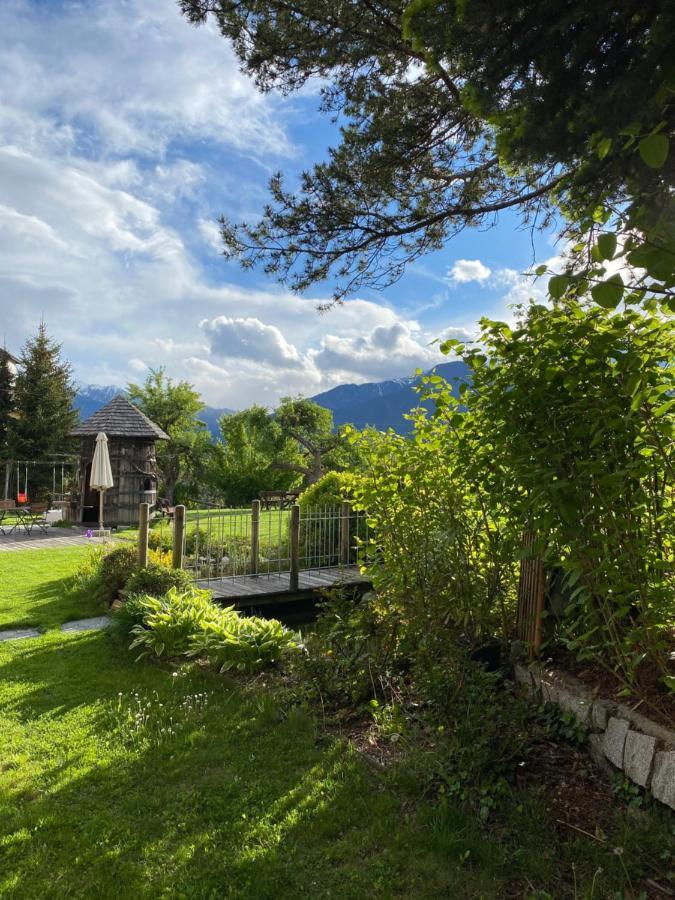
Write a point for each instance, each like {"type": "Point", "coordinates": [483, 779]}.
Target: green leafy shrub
{"type": "Point", "coordinates": [481, 731]}
{"type": "Point", "coordinates": [85, 577]}
{"type": "Point", "coordinates": [328, 491]}
{"type": "Point", "coordinates": [562, 725]}
{"type": "Point", "coordinates": [156, 580]}
{"type": "Point", "coordinates": [441, 552]}
{"type": "Point", "coordinates": [577, 404]}
{"type": "Point", "coordinates": [160, 538]}
{"type": "Point", "coordinates": [104, 572]}
{"type": "Point", "coordinates": [349, 653]}
{"type": "Point", "coordinates": [170, 621]}
{"type": "Point", "coordinates": [320, 520]}
{"type": "Point", "coordinates": [115, 569]}
{"type": "Point", "coordinates": [129, 614]}
{"type": "Point", "coordinates": [244, 643]}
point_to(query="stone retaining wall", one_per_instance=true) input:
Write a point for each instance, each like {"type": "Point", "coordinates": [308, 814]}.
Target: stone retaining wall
{"type": "Point", "coordinates": [642, 749]}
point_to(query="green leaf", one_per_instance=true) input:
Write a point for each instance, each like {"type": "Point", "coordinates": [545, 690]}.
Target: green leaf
{"type": "Point", "coordinates": [604, 146]}
{"type": "Point", "coordinates": [608, 293]}
{"type": "Point", "coordinates": [541, 270]}
{"type": "Point", "coordinates": [557, 286]}
{"type": "Point", "coordinates": [654, 150]}
{"type": "Point", "coordinates": [607, 245]}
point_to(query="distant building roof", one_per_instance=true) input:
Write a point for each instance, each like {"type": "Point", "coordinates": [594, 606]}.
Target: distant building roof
{"type": "Point", "coordinates": [120, 418]}
{"type": "Point", "coordinates": [9, 356]}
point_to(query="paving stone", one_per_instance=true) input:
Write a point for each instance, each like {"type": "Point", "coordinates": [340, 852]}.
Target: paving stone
{"type": "Point", "coordinates": [638, 755]}
{"type": "Point", "coordinates": [663, 777]}
{"type": "Point", "coordinates": [94, 624]}
{"type": "Point", "coordinates": [614, 741]}
{"type": "Point", "coordinates": [15, 634]}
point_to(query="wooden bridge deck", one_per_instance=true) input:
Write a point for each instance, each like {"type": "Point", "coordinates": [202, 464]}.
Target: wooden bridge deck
{"type": "Point", "coordinates": [262, 589]}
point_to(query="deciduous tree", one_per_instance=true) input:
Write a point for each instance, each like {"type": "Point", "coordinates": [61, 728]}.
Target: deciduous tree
{"type": "Point", "coordinates": [174, 406]}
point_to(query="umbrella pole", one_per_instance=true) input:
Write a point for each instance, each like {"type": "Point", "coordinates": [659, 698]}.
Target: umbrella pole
{"type": "Point", "coordinates": [100, 510]}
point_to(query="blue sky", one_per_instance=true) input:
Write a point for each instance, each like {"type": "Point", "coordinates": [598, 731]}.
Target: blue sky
{"type": "Point", "coordinates": [124, 134]}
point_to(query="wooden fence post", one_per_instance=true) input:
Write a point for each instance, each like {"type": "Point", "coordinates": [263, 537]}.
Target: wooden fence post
{"type": "Point", "coordinates": [178, 536]}
{"type": "Point", "coordinates": [255, 536]}
{"type": "Point", "coordinates": [143, 530]}
{"type": "Point", "coordinates": [345, 517]}
{"type": "Point", "coordinates": [531, 596]}
{"type": "Point", "coordinates": [295, 547]}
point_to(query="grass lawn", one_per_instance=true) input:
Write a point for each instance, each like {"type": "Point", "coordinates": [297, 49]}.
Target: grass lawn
{"type": "Point", "coordinates": [32, 588]}
{"type": "Point", "coordinates": [223, 523]}
{"type": "Point", "coordinates": [235, 798]}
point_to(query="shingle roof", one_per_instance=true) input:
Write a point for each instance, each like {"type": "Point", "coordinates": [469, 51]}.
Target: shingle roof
{"type": "Point", "coordinates": [120, 418]}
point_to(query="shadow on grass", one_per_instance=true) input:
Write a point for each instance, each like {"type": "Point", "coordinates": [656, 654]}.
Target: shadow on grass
{"type": "Point", "coordinates": [50, 604]}
{"type": "Point", "coordinates": [241, 803]}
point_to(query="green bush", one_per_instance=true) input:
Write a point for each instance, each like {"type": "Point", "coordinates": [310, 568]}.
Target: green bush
{"type": "Point", "coordinates": [115, 569]}
{"type": "Point", "coordinates": [129, 614]}
{"type": "Point", "coordinates": [104, 572]}
{"type": "Point", "coordinates": [347, 644]}
{"type": "Point", "coordinates": [320, 519]}
{"type": "Point", "coordinates": [328, 491]}
{"type": "Point", "coordinates": [160, 539]}
{"type": "Point", "coordinates": [156, 580]}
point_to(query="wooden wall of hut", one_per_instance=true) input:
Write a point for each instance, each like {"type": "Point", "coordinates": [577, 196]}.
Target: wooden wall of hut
{"type": "Point", "coordinates": [134, 472]}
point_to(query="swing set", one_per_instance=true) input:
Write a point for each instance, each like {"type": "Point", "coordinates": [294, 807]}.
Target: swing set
{"type": "Point", "coordinates": [18, 480]}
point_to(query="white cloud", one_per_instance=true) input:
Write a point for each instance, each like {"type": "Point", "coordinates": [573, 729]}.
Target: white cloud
{"type": "Point", "coordinates": [211, 233]}
{"type": "Point", "coordinates": [388, 351]}
{"type": "Point", "coordinates": [250, 339]}
{"type": "Point", "coordinates": [134, 74]}
{"type": "Point", "coordinates": [465, 270]}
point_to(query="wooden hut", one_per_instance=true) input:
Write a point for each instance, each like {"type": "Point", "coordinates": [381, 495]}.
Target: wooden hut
{"type": "Point", "coordinates": [131, 444]}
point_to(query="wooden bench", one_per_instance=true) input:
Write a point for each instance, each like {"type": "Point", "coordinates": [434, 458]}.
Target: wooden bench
{"type": "Point", "coordinates": [280, 499]}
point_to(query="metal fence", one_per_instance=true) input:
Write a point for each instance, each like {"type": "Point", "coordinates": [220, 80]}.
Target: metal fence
{"type": "Point", "coordinates": [229, 543]}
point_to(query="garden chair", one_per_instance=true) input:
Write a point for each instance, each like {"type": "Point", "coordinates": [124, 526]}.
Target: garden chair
{"type": "Point", "coordinates": [7, 507]}
{"type": "Point", "coordinates": [36, 517]}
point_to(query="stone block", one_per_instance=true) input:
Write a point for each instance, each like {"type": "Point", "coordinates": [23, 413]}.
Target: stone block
{"type": "Point", "coordinates": [550, 689]}
{"type": "Point", "coordinates": [518, 652]}
{"type": "Point", "coordinates": [638, 755]}
{"type": "Point", "coordinates": [600, 713]}
{"type": "Point", "coordinates": [663, 778]}
{"type": "Point", "coordinates": [579, 706]}
{"type": "Point", "coordinates": [522, 675]}
{"type": "Point", "coordinates": [614, 741]}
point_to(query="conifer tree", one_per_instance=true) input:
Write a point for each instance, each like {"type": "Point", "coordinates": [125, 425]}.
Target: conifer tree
{"type": "Point", "coordinates": [6, 409]}
{"type": "Point", "coordinates": [43, 395]}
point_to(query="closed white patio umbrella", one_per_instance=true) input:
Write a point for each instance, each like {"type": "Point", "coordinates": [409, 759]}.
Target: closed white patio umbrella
{"type": "Point", "coordinates": [101, 474]}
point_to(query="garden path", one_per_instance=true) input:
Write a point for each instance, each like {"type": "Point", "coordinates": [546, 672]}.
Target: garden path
{"type": "Point", "coordinates": [53, 539]}
{"type": "Point", "coordinates": [93, 624]}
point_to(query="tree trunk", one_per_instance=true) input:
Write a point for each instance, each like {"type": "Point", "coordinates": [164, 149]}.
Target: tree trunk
{"type": "Point", "coordinates": [7, 473]}
{"type": "Point", "coordinates": [316, 470]}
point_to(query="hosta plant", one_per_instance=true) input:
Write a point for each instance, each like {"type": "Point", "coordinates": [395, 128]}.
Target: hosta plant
{"type": "Point", "coordinates": [171, 621]}
{"type": "Point", "coordinates": [246, 644]}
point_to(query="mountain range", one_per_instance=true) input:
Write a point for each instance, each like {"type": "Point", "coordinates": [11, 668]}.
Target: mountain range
{"type": "Point", "coordinates": [380, 404]}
